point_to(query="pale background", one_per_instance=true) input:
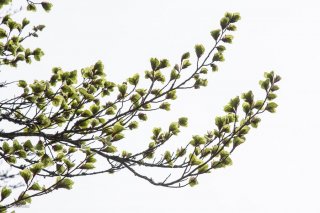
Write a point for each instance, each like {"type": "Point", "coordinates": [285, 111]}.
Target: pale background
{"type": "Point", "coordinates": [275, 171]}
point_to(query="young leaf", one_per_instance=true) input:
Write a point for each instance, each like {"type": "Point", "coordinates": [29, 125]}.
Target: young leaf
{"type": "Point", "coordinates": [215, 34]}
{"type": "Point", "coordinates": [36, 187]}
{"type": "Point", "coordinates": [193, 181]}
{"type": "Point", "coordinates": [183, 121]}
{"type": "Point", "coordinates": [46, 6]}
{"type": "Point", "coordinates": [199, 48]}
{"type": "Point", "coordinates": [26, 175]}
{"type": "Point", "coordinates": [87, 166]}
{"type": "Point", "coordinates": [5, 192]}
{"type": "Point", "coordinates": [65, 183]}
{"type": "Point", "coordinates": [185, 56]}
{"type": "Point", "coordinates": [224, 22]}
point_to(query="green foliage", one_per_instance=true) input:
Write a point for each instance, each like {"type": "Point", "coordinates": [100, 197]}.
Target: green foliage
{"type": "Point", "coordinates": [64, 183]}
{"type": "Point", "coordinates": [183, 121]}
{"type": "Point", "coordinates": [199, 48]}
{"type": "Point", "coordinates": [185, 56]}
{"type": "Point", "coordinates": [46, 6]}
{"type": "Point", "coordinates": [215, 34]}
{"type": "Point", "coordinates": [193, 181]}
{"type": "Point", "coordinates": [87, 166]}
{"type": "Point", "coordinates": [35, 187]}
{"type": "Point", "coordinates": [4, 2]}
{"type": "Point", "coordinates": [26, 174]}
{"type": "Point", "coordinates": [5, 192]}
{"type": "Point", "coordinates": [70, 122]}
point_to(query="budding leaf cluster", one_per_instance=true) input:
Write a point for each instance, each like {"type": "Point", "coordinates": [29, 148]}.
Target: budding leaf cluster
{"type": "Point", "coordinates": [68, 123]}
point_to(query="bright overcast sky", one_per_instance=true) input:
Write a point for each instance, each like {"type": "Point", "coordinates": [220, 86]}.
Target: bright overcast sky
{"type": "Point", "coordinates": [275, 171]}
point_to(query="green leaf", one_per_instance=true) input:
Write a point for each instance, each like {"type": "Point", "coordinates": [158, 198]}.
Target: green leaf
{"type": "Point", "coordinates": [122, 89]}
{"type": "Point", "coordinates": [46, 160]}
{"type": "Point", "coordinates": [110, 149]}
{"type": "Point", "coordinates": [156, 132]}
{"type": "Point", "coordinates": [87, 166]}
{"type": "Point", "coordinates": [221, 48]}
{"type": "Point", "coordinates": [174, 75]}
{"type": "Point", "coordinates": [164, 63]}
{"type": "Point", "coordinates": [117, 128]}
{"type": "Point", "coordinates": [194, 160]}
{"type": "Point", "coordinates": [117, 137]}
{"type": "Point", "coordinates": [199, 48]}
{"type": "Point", "coordinates": [36, 187]}
{"type": "Point", "coordinates": [204, 70]}
{"type": "Point", "coordinates": [235, 17]}
{"type": "Point", "coordinates": [203, 169]}
{"type": "Point", "coordinates": [3, 33]}
{"type": "Point", "coordinates": [228, 108]}
{"type": "Point", "coordinates": [215, 34]}
{"type": "Point", "coordinates": [227, 39]}
{"type": "Point", "coordinates": [214, 67]}
{"type": "Point", "coordinates": [193, 181]}
{"type": "Point", "coordinates": [68, 163]}
{"type": "Point", "coordinates": [86, 113]}
{"type": "Point", "coordinates": [183, 121]}
{"type": "Point", "coordinates": [246, 107]}
{"type": "Point", "coordinates": [277, 78]}
{"type": "Point", "coordinates": [274, 88]}
{"type": "Point", "coordinates": [16, 145]}
{"type": "Point", "coordinates": [26, 175]}
{"type": "Point", "coordinates": [154, 63]}
{"type": "Point", "coordinates": [46, 6]}
{"type": "Point", "coordinates": [244, 130]}
{"type": "Point", "coordinates": [271, 107]}
{"type": "Point", "coordinates": [142, 116]}
{"type": "Point", "coordinates": [227, 161]}
{"type": "Point", "coordinates": [219, 122]}
{"type": "Point", "coordinates": [22, 154]}
{"type": "Point", "coordinates": [134, 80]}
{"type": "Point", "coordinates": [248, 97]}
{"type": "Point", "coordinates": [171, 95]}
{"type": "Point", "coordinates": [57, 100]}
{"type": "Point", "coordinates": [5, 147]}
{"type": "Point", "coordinates": [265, 84]}
{"type": "Point", "coordinates": [237, 141]}
{"type": "Point", "coordinates": [218, 57]}
{"type": "Point", "coordinates": [174, 128]}
{"type": "Point", "coordinates": [259, 104]}
{"type": "Point", "coordinates": [91, 159]}
{"type": "Point", "coordinates": [22, 84]}
{"type": "Point", "coordinates": [232, 27]}
{"type": "Point", "coordinates": [255, 121]}
{"type": "Point", "coordinates": [5, 192]}
{"type": "Point", "coordinates": [36, 168]}
{"type": "Point", "coordinates": [224, 22]}
{"type": "Point", "coordinates": [185, 56]}
{"type": "Point", "coordinates": [167, 156]}
{"type": "Point", "coordinates": [271, 96]}
{"type": "Point", "coordinates": [65, 183]}
{"type": "Point", "coordinates": [31, 7]}
{"type": "Point", "coordinates": [133, 125]}
{"type": "Point", "coordinates": [152, 145]}
{"type": "Point", "coordinates": [186, 64]}
{"type": "Point", "coordinates": [165, 106]}
{"type": "Point", "coordinates": [11, 159]}
{"type": "Point", "coordinates": [25, 22]}
{"type": "Point", "coordinates": [98, 67]}
{"type": "Point", "coordinates": [94, 108]}
{"type": "Point", "coordinates": [57, 147]}
{"type": "Point", "coordinates": [235, 102]}
{"type": "Point", "coordinates": [197, 140]}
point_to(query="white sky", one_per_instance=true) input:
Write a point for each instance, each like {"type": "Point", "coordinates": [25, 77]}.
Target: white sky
{"type": "Point", "coordinates": [276, 170]}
